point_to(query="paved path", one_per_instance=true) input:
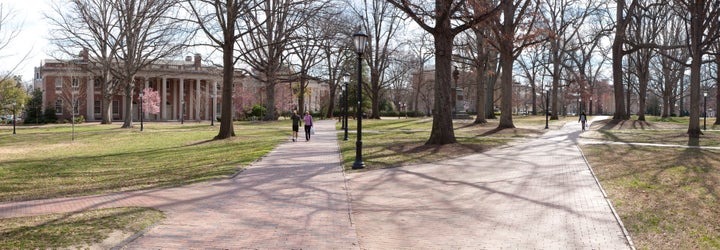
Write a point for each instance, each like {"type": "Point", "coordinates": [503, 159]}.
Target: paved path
{"type": "Point", "coordinates": [294, 198]}
{"type": "Point", "coordinates": [535, 195]}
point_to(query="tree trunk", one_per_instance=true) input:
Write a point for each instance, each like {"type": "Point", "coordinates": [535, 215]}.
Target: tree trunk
{"type": "Point", "coordinates": [270, 90]}
{"type": "Point", "coordinates": [107, 110]}
{"type": "Point", "coordinates": [375, 87]}
{"type": "Point", "coordinates": [301, 98]}
{"type": "Point", "coordinates": [507, 60]}
{"type": "Point", "coordinates": [228, 47]}
{"type": "Point", "coordinates": [717, 91]}
{"type": "Point", "coordinates": [490, 90]}
{"type": "Point", "coordinates": [128, 115]}
{"type": "Point", "coordinates": [442, 130]}
{"type": "Point", "coordinates": [421, 78]}
{"type": "Point", "coordinates": [480, 98]}
{"type": "Point", "coordinates": [556, 79]}
{"type": "Point", "coordinates": [617, 55]}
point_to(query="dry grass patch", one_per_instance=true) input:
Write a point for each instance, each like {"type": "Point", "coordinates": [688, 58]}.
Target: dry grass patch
{"type": "Point", "coordinates": [88, 229]}
{"type": "Point", "coordinates": [668, 198]}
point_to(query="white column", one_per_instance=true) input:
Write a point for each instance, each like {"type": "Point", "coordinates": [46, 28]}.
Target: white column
{"type": "Point", "coordinates": [147, 84]}
{"type": "Point", "coordinates": [163, 99]}
{"type": "Point", "coordinates": [198, 99]}
{"type": "Point", "coordinates": [90, 93]}
{"type": "Point", "coordinates": [214, 101]}
{"type": "Point", "coordinates": [206, 103]}
{"type": "Point", "coordinates": [181, 95]}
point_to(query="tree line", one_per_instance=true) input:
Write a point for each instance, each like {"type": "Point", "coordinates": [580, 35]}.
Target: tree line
{"type": "Point", "coordinates": [565, 46]}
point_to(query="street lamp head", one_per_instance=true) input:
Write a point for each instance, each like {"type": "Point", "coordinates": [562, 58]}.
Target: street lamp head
{"type": "Point", "coordinates": [141, 94]}
{"type": "Point", "coordinates": [360, 41]}
{"type": "Point", "coordinates": [342, 87]}
{"type": "Point", "coordinates": [705, 93]}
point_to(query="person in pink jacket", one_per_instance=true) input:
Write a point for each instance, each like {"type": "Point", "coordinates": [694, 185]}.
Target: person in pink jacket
{"type": "Point", "coordinates": [308, 125]}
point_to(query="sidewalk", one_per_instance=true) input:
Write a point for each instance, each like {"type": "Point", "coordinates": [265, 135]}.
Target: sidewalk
{"type": "Point", "coordinates": [536, 195]}
{"type": "Point", "coordinates": [294, 198]}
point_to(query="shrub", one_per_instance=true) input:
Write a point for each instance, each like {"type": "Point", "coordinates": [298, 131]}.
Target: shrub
{"type": "Point", "coordinates": [258, 110]}
{"type": "Point", "coordinates": [79, 119]}
{"type": "Point", "coordinates": [49, 115]}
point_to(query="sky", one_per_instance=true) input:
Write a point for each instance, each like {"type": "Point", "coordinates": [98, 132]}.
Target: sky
{"type": "Point", "coordinates": [32, 40]}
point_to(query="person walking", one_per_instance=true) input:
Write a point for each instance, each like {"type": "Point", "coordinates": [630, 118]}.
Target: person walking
{"type": "Point", "coordinates": [308, 125]}
{"type": "Point", "coordinates": [295, 125]}
{"type": "Point", "coordinates": [583, 120]}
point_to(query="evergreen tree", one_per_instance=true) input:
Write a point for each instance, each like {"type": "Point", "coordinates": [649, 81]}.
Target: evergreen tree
{"type": "Point", "coordinates": [33, 113]}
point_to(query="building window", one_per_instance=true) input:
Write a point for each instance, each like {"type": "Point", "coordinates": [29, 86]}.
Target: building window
{"type": "Point", "coordinates": [116, 107]}
{"type": "Point", "coordinates": [58, 107]}
{"type": "Point", "coordinates": [97, 84]}
{"type": "Point", "coordinates": [76, 107]}
{"type": "Point", "coordinates": [58, 85]}
{"type": "Point", "coordinates": [98, 107]}
{"type": "Point", "coordinates": [75, 84]}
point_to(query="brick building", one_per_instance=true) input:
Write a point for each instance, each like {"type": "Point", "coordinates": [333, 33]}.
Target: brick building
{"type": "Point", "coordinates": [186, 87]}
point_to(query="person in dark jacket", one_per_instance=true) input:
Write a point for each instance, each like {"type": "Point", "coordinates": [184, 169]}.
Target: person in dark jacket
{"type": "Point", "coordinates": [583, 119]}
{"type": "Point", "coordinates": [295, 125]}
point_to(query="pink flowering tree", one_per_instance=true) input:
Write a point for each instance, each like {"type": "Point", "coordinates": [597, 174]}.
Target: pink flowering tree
{"type": "Point", "coordinates": [243, 100]}
{"type": "Point", "coordinates": [150, 101]}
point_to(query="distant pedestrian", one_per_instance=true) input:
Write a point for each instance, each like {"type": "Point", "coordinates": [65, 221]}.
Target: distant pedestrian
{"type": "Point", "coordinates": [583, 119]}
{"type": "Point", "coordinates": [308, 125]}
{"type": "Point", "coordinates": [295, 125]}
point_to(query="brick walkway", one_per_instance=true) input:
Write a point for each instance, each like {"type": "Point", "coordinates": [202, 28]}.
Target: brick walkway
{"type": "Point", "coordinates": [294, 198]}
{"type": "Point", "coordinates": [536, 195]}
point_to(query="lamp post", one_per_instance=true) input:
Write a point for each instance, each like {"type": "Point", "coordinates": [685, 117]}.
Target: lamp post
{"type": "Point", "coordinates": [579, 107]}
{"type": "Point", "coordinates": [359, 39]}
{"type": "Point", "coordinates": [590, 105]}
{"type": "Point", "coordinates": [14, 114]}
{"type": "Point", "coordinates": [346, 80]}
{"type": "Point", "coordinates": [705, 93]}
{"type": "Point", "coordinates": [182, 111]}
{"type": "Point", "coordinates": [142, 112]}
{"type": "Point", "coordinates": [212, 109]}
{"type": "Point", "coordinates": [547, 106]}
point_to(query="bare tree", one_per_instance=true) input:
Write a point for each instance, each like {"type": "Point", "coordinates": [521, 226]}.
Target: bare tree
{"type": "Point", "coordinates": [90, 26]}
{"type": "Point", "coordinates": [274, 23]}
{"type": "Point", "coordinates": [422, 52]}
{"type": "Point", "coordinates": [335, 52]}
{"type": "Point", "coordinates": [8, 34]}
{"type": "Point", "coordinates": [383, 23]}
{"type": "Point", "coordinates": [444, 20]}
{"type": "Point", "coordinates": [478, 53]}
{"type": "Point", "coordinates": [644, 29]}
{"type": "Point", "coordinates": [531, 63]}
{"type": "Point", "coordinates": [703, 31]}
{"type": "Point", "coordinates": [515, 32]}
{"type": "Point", "coordinates": [148, 33]}
{"type": "Point", "coordinates": [73, 90]}
{"type": "Point", "coordinates": [218, 20]}
{"type": "Point", "coordinates": [623, 17]}
{"type": "Point", "coordinates": [305, 53]}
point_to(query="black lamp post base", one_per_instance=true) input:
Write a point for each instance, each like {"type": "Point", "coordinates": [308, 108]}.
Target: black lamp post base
{"type": "Point", "coordinates": [358, 165]}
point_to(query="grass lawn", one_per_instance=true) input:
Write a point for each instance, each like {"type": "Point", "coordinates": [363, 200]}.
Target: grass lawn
{"type": "Point", "coordinates": [392, 142]}
{"type": "Point", "coordinates": [77, 230]}
{"type": "Point", "coordinates": [668, 198]}
{"type": "Point", "coordinates": [43, 162]}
